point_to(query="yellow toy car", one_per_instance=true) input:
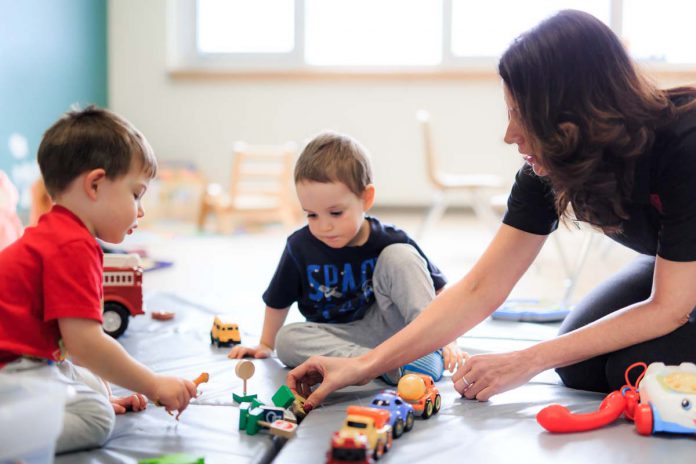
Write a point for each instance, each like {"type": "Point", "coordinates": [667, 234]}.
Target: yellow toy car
{"type": "Point", "coordinates": [224, 332]}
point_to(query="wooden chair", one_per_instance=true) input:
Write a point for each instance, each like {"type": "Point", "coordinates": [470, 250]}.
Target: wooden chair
{"type": "Point", "coordinates": [478, 186]}
{"type": "Point", "coordinates": [260, 189]}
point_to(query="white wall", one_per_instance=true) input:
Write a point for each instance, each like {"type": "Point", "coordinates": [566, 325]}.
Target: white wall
{"type": "Point", "coordinates": [199, 120]}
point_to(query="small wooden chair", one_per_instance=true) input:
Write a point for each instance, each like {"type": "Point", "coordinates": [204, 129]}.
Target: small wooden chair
{"type": "Point", "coordinates": [478, 186]}
{"type": "Point", "coordinates": [260, 188]}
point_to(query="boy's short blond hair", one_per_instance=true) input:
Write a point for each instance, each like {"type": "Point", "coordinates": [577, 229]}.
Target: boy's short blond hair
{"type": "Point", "coordinates": [91, 138]}
{"type": "Point", "coordinates": [334, 157]}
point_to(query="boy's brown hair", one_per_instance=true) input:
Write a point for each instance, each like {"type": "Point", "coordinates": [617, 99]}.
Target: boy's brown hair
{"type": "Point", "coordinates": [91, 138]}
{"type": "Point", "coordinates": [334, 157]}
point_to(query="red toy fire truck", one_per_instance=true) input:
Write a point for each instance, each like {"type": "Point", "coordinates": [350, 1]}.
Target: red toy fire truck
{"type": "Point", "coordinates": [123, 291]}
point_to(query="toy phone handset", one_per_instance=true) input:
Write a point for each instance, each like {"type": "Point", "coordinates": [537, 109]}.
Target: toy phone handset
{"type": "Point", "coordinates": [559, 419]}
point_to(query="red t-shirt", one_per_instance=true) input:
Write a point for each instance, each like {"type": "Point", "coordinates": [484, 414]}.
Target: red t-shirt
{"type": "Point", "coordinates": [54, 270]}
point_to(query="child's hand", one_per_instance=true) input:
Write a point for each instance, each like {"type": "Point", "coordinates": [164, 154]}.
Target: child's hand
{"type": "Point", "coordinates": [122, 404]}
{"type": "Point", "coordinates": [173, 393]}
{"type": "Point", "coordinates": [261, 351]}
{"type": "Point", "coordinates": [454, 356]}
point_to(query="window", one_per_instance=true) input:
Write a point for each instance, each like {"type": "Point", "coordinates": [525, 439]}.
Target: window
{"type": "Point", "coordinates": [373, 33]}
{"type": "Point", "coordinates": [243, 26]}
{"type": "Point", "coordinates": [487, 28]}
{"type": "Point", "coordinates": [403, 35]}
{"type": "Point", "coordinates": [664, 33]}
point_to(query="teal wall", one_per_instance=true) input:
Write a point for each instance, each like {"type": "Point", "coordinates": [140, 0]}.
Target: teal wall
{"type": "Point", "coordinates": [52, 55]}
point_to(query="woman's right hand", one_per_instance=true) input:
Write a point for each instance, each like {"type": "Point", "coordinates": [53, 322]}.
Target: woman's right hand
{"type": "Point", "coordinates": [261, 351]}
{"type": "Point", "coordinates": [330, 373]}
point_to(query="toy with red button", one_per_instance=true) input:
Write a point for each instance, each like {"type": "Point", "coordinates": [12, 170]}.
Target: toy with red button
{"type": "Point", "coordinates": [663, 400]}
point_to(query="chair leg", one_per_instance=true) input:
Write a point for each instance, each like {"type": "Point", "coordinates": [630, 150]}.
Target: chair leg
{"type": "Point", "coordinates": [203, 214]}
{"type": "Point", "coordinates": [481, 204]}
{"type": "Point", "coordinates": [437, 209]}
{"type": "Point", "coordinates": [221, 215]}
{"type": "Point", "coordinates": [572, 281]}
{"type": "Point", "coordinates": [562, 254]}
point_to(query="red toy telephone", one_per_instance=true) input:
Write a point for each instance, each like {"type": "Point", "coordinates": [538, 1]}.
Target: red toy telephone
{"type": "Point", "coordinates": [559, 419]}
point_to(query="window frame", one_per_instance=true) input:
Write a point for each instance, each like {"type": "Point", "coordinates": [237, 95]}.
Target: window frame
{"type": "Point", "coordinates": [185, 62]}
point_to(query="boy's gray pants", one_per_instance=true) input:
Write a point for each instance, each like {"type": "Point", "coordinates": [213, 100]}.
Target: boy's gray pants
{"type": "Point", "coordinates": [89, 416]}
{"type": "Point", "coordinates": [403, 288]}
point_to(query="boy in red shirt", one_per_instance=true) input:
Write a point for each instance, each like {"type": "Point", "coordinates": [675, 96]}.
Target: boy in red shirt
{"type": "Point", "coordinates": [96, 167]}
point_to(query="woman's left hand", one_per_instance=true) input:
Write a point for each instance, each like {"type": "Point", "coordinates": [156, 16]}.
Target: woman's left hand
{"type": "Point", "coordinates": [485, 375]}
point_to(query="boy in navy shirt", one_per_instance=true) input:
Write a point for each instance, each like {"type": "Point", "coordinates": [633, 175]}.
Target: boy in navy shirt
{"type": "Point", "coordinates": [356, 281]}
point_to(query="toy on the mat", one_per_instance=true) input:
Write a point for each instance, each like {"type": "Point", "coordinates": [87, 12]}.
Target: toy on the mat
{"type": "Point", "coordinates": [280, 428]}
{"type": "Point", "coordinates": [351, 450]}
{"type": "Point", "coordinates": [283, 397]}
{"type": "Point", "coordinates": [203, 378]}
{"type": "Point", "coordinates": [661, 401]}
{"type": "Point", "coordinates": [254, 414]}
{"type": "Point", "coordinates": [224, 332]}
{"type": "Point", "coordinates": [287, 398]}
{"type": "Point", "coordinates": [123, 291]}
{"type": "Point", "coordinates": [180, 458]}
{"type": "Point", "coordinates": [667, 400]}
{"type": "Point", "coordinates": [402, 415]}
{"type": "Point", "coordinates": [297, 407]}
{"type": "Point", "coordinates": [162, 315]}
{"type": "Point", "coordinates": [370, 423]}
{"type": "Point", "coordinates": [420, 392]}
{"type": "Point", "coordinates": [245, 370]}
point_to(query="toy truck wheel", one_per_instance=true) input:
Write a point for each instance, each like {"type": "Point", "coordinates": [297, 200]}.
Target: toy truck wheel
{"type": "Point", "coordinates": [438, 403]}
{"type": "Point", "coordinates": [643, 418]}
{"type": "Point", "coordinates": [212, 339]}
{"type": "Point", "coordinates": [379, 450]}
{"type": "Point", "coordinates": [398, 427]}
{"type": "Point", "coordinates": [115, 319]}
{"type": "Point", "coordinates": [409, 421]}
{"type": "Point", "coordinates": [427, 409]}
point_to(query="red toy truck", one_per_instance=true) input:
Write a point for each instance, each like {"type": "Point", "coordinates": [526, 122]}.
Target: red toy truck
{"type": "Point", "coordinates": [348, 450]}
{"type": "Point", "coordinates": [123, 291]}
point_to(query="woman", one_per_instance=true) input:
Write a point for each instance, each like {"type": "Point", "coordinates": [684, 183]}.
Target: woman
{"type": "Point", "coordinates": [601, 139]}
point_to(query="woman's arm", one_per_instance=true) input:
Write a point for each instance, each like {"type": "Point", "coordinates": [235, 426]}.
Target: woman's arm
{"type": "Point", "coordinates": [456, 310]}
{"type": "Point", "coordinates": [672, 299]}
{"type": "Point", "coordinates": [462, 306]}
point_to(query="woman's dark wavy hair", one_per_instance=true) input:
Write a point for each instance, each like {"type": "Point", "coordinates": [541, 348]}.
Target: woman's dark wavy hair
{"type": "Point", "coordinates": [590, 112]}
